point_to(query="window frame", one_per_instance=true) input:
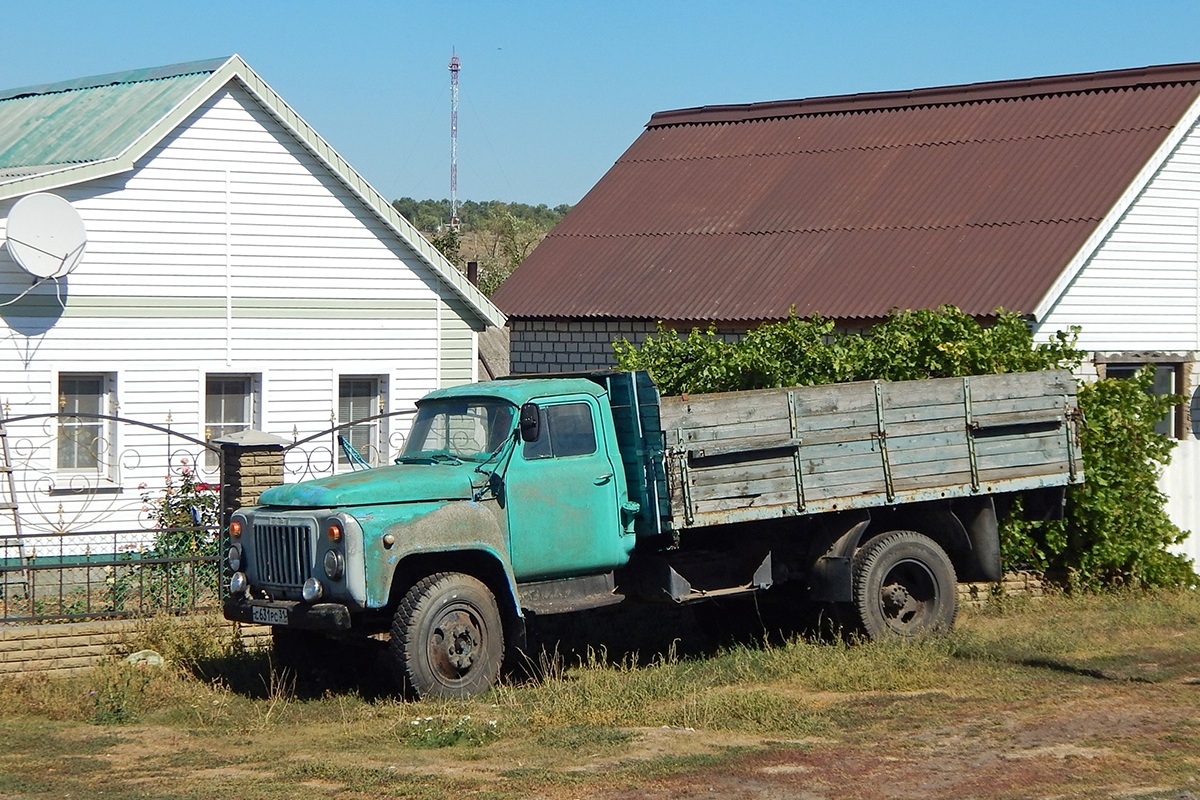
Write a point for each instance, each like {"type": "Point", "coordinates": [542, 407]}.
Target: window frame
{"type": "Point", "coordinates": [546, 445]}
{"type": "Point", "coordinates": [376, 400]}
{"type": "Point", "coordinates": [1178, 421]}
{"type": "Point", "coordinates": [251, 402]}
{"type": "Point", "coordinates": [105, 429]}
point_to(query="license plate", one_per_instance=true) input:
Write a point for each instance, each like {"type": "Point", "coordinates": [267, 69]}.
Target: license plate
{"type": "Point", "coordinates": [268, 615]}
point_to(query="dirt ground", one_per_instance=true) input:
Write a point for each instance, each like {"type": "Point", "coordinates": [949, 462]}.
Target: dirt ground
{"type": "Point", "coordinates": [1090, 739]}
{"type": "Point", "coordinates": [1121, 722]}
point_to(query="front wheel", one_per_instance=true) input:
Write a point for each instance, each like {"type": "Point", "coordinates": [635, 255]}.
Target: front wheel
{"type": "Point", "coordinates": [447, 637]}
{"type": "Point", "coordinates": [904, 584]}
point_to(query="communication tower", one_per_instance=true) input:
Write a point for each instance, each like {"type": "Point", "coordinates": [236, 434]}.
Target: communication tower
{"type": "Point", "coordinates": [455, 66]}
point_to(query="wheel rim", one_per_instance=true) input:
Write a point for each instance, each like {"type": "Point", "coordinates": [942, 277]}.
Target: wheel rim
{"type": "Point", "coordinates": [455, 644]}
{"type": "Point", "coordinates": [908, 595]}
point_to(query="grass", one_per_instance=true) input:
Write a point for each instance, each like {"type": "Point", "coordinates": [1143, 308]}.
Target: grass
{"type": "Point", "coordinates": [1116, 675]}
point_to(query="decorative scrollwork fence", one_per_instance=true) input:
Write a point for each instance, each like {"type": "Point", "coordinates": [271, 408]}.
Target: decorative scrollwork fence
{"type": "Point", "coordinates": [104, 516]}
{"type": "Point", "coordinates": [377, 440]}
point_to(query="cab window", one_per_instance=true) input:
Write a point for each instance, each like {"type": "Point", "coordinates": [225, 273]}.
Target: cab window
{"type": "Point", "coordinates": [566, 430]}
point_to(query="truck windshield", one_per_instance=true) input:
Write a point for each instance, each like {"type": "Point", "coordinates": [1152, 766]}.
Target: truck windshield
{"type": "Point", "coordinates": [469, 429]}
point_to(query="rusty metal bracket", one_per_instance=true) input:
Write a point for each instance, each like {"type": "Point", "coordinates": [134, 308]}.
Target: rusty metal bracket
{"type": "Point", "coordinates": [970, 431]}
{"type": "Point", "coordinates": [881, 437]}
{"type": "Point", "coordinates": [793, 421]}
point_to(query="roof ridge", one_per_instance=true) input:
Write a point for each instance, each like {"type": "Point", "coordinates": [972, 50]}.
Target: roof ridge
{"type": "Point", "coordinates": [899, 145]}
{"type": "Point", "coordinates": [128, 76]}
{"type": "Point", "coordinates": [828, 229]}
{"type": "Point", "coordinates": [1074, 83]}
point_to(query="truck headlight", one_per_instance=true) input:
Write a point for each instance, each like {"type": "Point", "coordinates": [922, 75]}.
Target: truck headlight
{"type": "Point", "coordinates": [335, 565]}
{"type": "Point", "coordinates": [238, 584]}
{"type": "Point", "coordinates": [312, 590]}
{"type": "Point", "coordinates": [234, 557]}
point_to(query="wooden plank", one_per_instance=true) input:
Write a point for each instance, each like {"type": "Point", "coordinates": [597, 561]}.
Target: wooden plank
{"type": "Point", "coordinates": [717, 433]}
{"type": "Point", "coordinates": [824, 422]}
{"type": "Point", "coordinates": [740, 463]}
{"type": "Point", "coordinates": [949, 478]}
{"type": "Point", "coordinates": [836, 435]}
{"type": "Point", "coordinates": [1023, 384]}
{"type": "Point", "coordinates": [748, 405]}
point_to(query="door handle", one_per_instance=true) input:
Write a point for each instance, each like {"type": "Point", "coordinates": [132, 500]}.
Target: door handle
{"type": "Point", "coordinates": [603, 479]}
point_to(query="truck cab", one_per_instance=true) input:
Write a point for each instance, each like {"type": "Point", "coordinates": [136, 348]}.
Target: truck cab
{"type": "Point", "coordinates": [499, 484]}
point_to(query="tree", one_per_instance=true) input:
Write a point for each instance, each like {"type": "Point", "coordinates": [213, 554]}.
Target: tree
{"type": "Point", "coordinates": [497, 235]}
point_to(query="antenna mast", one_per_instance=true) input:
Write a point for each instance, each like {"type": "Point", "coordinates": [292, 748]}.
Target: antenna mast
{"type": "Point", "coordinates": [455, 66]}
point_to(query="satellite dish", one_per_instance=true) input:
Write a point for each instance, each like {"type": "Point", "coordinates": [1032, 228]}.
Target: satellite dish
{"type": "Point", "coordinates": [46, 236]}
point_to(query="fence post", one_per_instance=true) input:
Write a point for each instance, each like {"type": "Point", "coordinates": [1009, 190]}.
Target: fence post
{"type": "Point", "coordinates": [251, 463]}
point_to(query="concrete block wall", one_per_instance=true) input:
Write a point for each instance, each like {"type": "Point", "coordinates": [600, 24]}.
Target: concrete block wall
{"type": "Point", "coordinates": [1015, 584]}
{"type": "Point", "coordinates": [558, 346]}
{"type": "Point", "coordinates": [572, 346]}
{"type": "Point", "coordinates": [61, 648]}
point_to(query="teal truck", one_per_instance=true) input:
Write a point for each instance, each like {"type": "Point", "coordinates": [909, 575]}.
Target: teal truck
{"type": "Point", "coordinates": [550, 495]}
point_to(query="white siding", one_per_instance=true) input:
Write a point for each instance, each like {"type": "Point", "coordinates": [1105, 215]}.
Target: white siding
{"type": "Point", "coordinates": [1140, 292]}
{"type": "Point", "coordinates": [229, 249]}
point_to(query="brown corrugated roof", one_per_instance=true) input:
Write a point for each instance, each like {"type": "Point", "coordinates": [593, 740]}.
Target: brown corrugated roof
{"type": "Point", "coordinates": [850, 206]}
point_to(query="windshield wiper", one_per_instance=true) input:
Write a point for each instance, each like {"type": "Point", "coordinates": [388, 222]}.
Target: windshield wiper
{"type": "Point", "coordinates": [501, 455]}
{"type": "Point", "coordinates": [428, 458]}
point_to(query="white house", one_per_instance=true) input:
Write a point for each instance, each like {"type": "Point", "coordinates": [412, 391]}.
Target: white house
{"type": "Point", "coordinates": [237, 273]}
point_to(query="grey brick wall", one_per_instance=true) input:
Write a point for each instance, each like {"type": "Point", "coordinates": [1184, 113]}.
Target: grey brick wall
{"type": "Point", "coordinates": [571, 346]}
{"type": "Point", "coordinates": [557, 346]}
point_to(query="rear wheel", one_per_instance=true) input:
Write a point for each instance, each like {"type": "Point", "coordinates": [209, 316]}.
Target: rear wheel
{"type": "Point", "coordinates": [447, 637]}
{"type": "Point", "coordinates": [904, 585]}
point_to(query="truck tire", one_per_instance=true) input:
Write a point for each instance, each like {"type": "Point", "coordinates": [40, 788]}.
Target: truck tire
{"type": "Point", "coordinates": [904, 585]}
{"type": "Point", "coordinates": [447, 637]}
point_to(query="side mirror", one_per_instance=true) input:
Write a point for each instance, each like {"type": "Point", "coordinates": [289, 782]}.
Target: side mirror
{"type": "Point", "coordinates": [531, 422]}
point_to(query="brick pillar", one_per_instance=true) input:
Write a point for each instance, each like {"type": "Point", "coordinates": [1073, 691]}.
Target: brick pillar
{"type": "Point", "coordinates": [251, 463]}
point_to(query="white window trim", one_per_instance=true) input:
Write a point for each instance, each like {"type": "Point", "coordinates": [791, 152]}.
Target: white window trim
{"type": "Point", "coordinates": [379, 405]}
{"type": "Point", "coordinates": [107, 473]}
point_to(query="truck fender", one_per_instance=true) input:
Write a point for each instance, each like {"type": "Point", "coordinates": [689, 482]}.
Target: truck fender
{"type": "Point", "coordinates": [966, 528]}
{"type": "Point", "coordinates": [460, 536]}
{"type": "Point", "coordinates": [484, 564]}
{"type": "Point", "coordinates": [979, 520]}
{"type": "Point", "coordinates": [829, 579]}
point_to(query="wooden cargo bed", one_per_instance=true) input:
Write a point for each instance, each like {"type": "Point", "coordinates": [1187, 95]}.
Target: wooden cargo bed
{"type": "Point", "coordinates": [768, 453]}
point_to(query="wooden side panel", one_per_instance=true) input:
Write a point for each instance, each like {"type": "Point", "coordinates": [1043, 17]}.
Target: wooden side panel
{"type": "Point", "coordinates": [768, 453]}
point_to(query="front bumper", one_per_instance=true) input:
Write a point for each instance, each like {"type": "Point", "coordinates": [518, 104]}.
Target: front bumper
{"type": "Point", "coordinates": [328, 617]}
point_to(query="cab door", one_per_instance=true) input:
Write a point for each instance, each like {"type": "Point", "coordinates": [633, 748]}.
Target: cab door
{"type": "Point", "coordinates": [561, 496]}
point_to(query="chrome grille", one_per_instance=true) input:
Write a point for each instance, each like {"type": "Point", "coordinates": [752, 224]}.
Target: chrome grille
{"type": "Point", "coordinates": [283, 553]}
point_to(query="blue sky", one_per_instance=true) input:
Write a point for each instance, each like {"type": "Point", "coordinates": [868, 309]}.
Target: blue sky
{"type": "Point", "coordinates": [551, 93]}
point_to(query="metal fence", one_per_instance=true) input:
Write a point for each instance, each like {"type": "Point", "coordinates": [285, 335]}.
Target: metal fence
{"type": "Point", "coordinates": [93, 545]}
{"type": "Point", "coordinates": [373, 441]}
{"type": "Point", "coordinates": [135, 532]}
{"type": "Point", "coordinates": [111, 582]}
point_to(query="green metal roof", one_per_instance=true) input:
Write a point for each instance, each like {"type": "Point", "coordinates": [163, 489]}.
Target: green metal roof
{"type": "Point", "coordinates": [90, 119]}
{"type": "Point", "coordinates": [60, 134]}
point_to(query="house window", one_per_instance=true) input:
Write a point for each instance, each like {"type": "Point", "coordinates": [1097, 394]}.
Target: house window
{"type": "Point", "coordinates": [84, 440]}
{"type": "Point", "coordinates": [1168, 379]}
{"type": "Point", "coordinates": [229, 404]}
{"type": "Point", "coordinates": [566, 430]}
{"type": "Point", "coordinates": [360, 397]}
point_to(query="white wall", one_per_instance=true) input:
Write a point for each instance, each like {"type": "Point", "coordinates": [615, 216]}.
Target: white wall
{"type": "Point", "coordinates": [229, 249]}
{"type": "Point", "coordinates": [1140, 293]}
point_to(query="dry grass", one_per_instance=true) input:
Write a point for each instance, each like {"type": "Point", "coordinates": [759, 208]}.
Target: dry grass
{"type": "Point", "coordinates": [1080, 697]}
